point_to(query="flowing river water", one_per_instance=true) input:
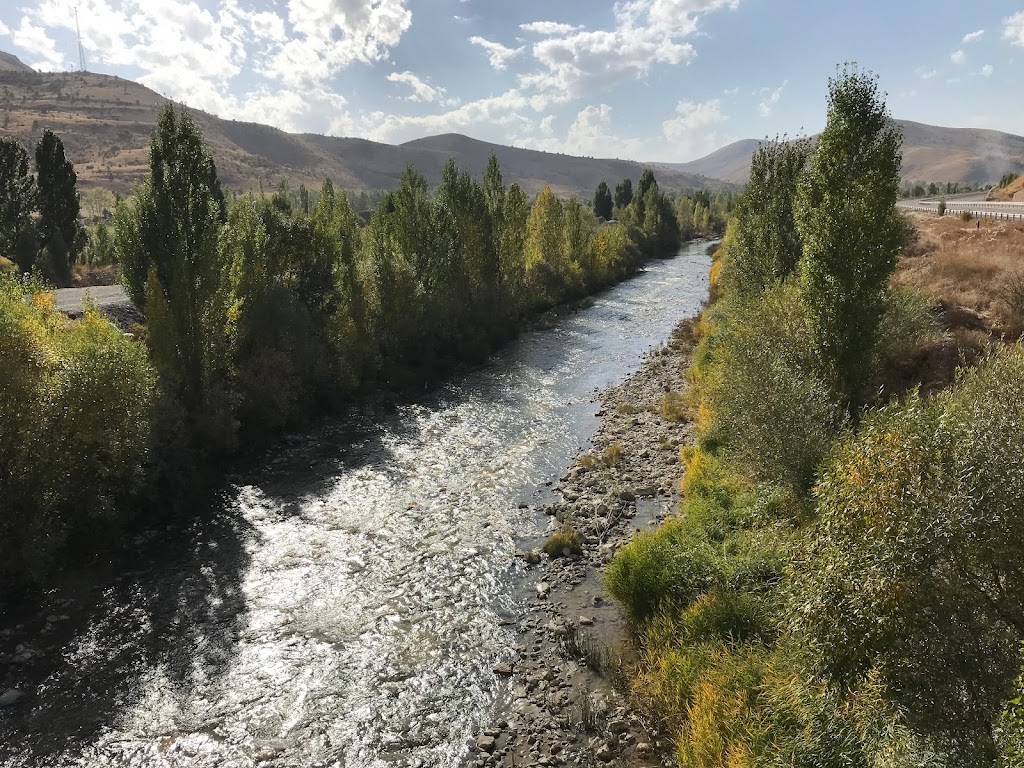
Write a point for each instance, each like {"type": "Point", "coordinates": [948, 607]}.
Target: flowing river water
{"type": "Point", "coordinates": [345, 602]}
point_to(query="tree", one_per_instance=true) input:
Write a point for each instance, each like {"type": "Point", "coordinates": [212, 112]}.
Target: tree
{"type": "Point", "coordinates": [603, 205]}
{"type": "Point", "coordinates": [768, 245]}
{"type": "Point", "coordinates": [180, 206]}
{"type": "Point", "coordinates": [167, 243]}
{"type": "Point", "coordinates": [18, 238]}
{"type": "Point", "coordinates": [851, 229]}
{"type": "Point", "coordinates": [623, 194]}
{"type": "Point", "coordinates": [59, 204]}
{"type": "Point", "coordinates": [646, 181]}
{"type": "Point", "coordinates": [545, 267]}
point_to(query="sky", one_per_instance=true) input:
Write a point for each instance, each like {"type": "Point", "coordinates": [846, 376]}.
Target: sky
{"type": "Point", "coordinates": [649, 80]}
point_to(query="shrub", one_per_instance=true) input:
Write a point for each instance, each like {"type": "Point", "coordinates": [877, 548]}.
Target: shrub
{"type": "Point", "coordinates": [907, 324]}
{"type": "Point", "coordinates": [942, 207]}
{"type": "Point", "coordinates": [75, 409]}
{"type": "Point", "coordinates": [913, 572]}
{"type": "Point", "coordinates": [966, 216]}
{"type": "Point", "coordinates": [564, 543]}
{"type": "Point", "coordinates": [674, 407]}
{"type": "Point", "coordinates": [770, 405]}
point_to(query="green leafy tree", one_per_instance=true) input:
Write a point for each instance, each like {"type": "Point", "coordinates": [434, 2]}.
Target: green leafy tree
{"type": "Point", "coordinates": [623, 194]}
{"type": "Point", "coordinates": [59, 204]}
{"type": "Point", "coordinates": [852, 232]}
{"type": "Point", "coordinates": [18, 235]}
{"type": "Point", "coordinates": [167, 243]}
{"type": "Point", "coordinates": [604, 207]}
{"type": "Point", "coordinates": [768, 245]}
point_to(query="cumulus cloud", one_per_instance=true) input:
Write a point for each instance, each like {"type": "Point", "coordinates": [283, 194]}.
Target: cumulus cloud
{"type": "Point", "coordinates": [592, 134]}
{"type": "Point", "coordinates": [42, 47]}
{"type": "Point", "coordinates": [957, 57]}
{"type": "Point", "coordinates": [986, 71]}
{"type": "Point", "coordinates": [503, 111]}
{"type": "Point", "coordinates": [771, 98]}
{"type": "Point", "coordinates": [645, 33]}
{"type": "Point", "coordinates": [193, 54]}
{"type": "Point", "coordinates": [421, 91]}
{"type": "Point", "coordinates": [1013, 29]}
{"type": "Point", "coordinates": [500, 56]}
{"type": "Point", "coordinates": [973, 37]}
{"type": "Point", "coordinates": [693, 131]}
{"type": "Point", "coordinates": [4, 29]}
{"type": "Point", "coordinates": [549, 28]}
{"type": "Point", "coordinates": [925, 73]}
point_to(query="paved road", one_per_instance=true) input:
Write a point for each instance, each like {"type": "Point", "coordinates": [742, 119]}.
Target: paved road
{"type": "Point", "coordinates": [69, 300]}
{"type": "Point", "coordinates": [976, 207]}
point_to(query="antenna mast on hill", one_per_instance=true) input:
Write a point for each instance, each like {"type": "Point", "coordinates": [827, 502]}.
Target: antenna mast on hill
{"type": "Point", "coordinates": [81, 50]}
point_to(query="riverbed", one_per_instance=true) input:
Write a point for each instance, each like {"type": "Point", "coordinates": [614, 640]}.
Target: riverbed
{"type": "Point", "coordinates": [346, 601]}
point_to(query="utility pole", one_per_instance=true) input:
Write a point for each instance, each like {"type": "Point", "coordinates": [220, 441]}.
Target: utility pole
{"type": "Point", "coordinates": [81, 50]}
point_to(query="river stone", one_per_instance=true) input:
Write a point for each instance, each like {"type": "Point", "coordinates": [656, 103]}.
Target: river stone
{"type": "Point", "coordinates": [504, 669]}
{"type": "Point", "coordinates": [627, 496]}
{"type": "Point", "coordinates": [485, 743]}
{"type": "Point", "coordinates": [10, 697]}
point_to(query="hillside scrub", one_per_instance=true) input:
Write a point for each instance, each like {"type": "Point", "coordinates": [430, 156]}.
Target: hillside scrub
{"type": "Point", "coordinates": [840, 586]}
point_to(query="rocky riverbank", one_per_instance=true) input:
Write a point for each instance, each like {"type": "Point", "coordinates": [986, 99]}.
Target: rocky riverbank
{"type": "Point", "coordinates": [565, 702]}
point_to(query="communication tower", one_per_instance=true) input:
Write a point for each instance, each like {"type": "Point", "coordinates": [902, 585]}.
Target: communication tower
{"type": "Point", "coordinates": [81, 50]}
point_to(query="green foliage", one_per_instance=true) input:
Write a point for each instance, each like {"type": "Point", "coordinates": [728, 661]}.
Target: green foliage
{"type": "Point", "coordinates": [623, 194]}
{"type": "Point", "coordinates": [913, 572]}
{"type": "Point", "coordinates": [768, 245]}
{"type": "Point", "coordinates": [604, 206]}
{"type": "Point", "coordinates": [561, 542]}
{"type": "Point", "coordinates": [173, 267]}
{"type": "Point", "coordinates": [75, 409]}
{"type": "Point", "coordinates": [1008, 179]}
{"type": "Point", "coordinates": [774, 410]}
{"type": "Point", "coordinates": [60, 230]}
{"type": "Point", "coordinates": [852, 232]}
{"type": "Point", "coordinates": [18, 193]}
{"type": "Point", "coordinates": [942, 207]}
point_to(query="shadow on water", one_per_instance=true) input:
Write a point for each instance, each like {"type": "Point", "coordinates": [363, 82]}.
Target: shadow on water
{"type": "Point", "coordinates": [171, 608]}
{"type": "Point", "coordinates": [175, 611]}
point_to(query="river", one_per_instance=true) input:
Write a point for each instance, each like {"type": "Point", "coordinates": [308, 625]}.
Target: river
{"type": "Point", "coordinates": [345, 601]}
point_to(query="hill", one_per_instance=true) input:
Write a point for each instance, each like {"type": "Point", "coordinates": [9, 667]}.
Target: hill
{"type": "Point", "coordinates": [1013, 192]}
{"type": "Point", "coordinates": [930, 153]}
{"type": "Point", "coordinates": [11, 63]}
{"type": "Point", "coordinates": [106, 122]}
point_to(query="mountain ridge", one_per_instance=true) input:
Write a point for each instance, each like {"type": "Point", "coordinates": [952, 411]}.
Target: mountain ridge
{"type": "Point", "coordinates": [930, 154]}
{"type": "Point", "coordinates": [106, 122]}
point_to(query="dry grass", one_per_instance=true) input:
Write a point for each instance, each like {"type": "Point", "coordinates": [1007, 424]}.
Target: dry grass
{"type": "Point", "coordinates": [975, 275]}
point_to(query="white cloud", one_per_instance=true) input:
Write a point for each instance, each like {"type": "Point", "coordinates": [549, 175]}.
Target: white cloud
{"type": "Point", "coordinates": [41, 47]}
{"type": "Point", "coordinates": [646, 32]}
{"type": "Point", "coordinates": [692, 132]}
{"type": "Point", "coordinates": [475, 118]}
{"type": "Point", "coordinates": [421, 91]}
{"type": "Point", "coordinates": [1013, 29]}
{"type": "Point", "coordinates": [500, 56]}
{"type": "Point", "coordinates": [957, 57]}
{"type": "Point", "coordinates": [730, 92]}
{"type": "Point", "coordinates": [986, 71]}
{"type": "Point", "coordinates": [772, 98]}
{"type": "Point", "coordinates": [590, 134]}
{"type": "Point", "coordinates": [973, 37]}
{"type": "Point", "coordinates": [547, 125]}
{"type": "Point", "coordinates": [4, 30]}
{"type": "Point", "coordinates": [549, 28]}
{"type": "Point", "coordinates": [925, 73]}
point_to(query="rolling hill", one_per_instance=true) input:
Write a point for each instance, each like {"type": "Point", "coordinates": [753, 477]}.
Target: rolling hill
{"type": "Point", "coordinates": [105, 123]}
{"type": "Point", "coordinates": [930, 153]}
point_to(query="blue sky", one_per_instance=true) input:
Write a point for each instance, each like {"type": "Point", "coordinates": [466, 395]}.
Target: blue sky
{"type": "Point", "coordinates": [666, 80]}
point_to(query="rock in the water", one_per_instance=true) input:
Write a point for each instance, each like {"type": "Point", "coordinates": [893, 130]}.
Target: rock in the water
{"type": "Point", "coordinates": [543, 589]}
{"type": "Point", "coordinates": [504, 669]}
{"type": "Point", "coordinates": [485, 743]}
{"type": "Point", "coordinates": [10, 697]}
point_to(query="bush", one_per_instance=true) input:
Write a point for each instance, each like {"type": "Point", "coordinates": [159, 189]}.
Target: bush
{"type": "Point", "coordinates": [966, 216]}
{"type": "Point", "coordinates": [75, 409]}
{"type": "Point", "coordinates": [769, 403]}
{"type": "Point", "coordinates": [913, 572]}
{"type": "Point", "coordinates": [907, 324]}
{"type": "Point", "coordinates": [942, 208]}
{"type": "Point", "coordinates": [563, 544]}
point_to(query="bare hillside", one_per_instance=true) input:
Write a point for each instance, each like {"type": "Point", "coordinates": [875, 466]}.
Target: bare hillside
{"type": "Point", "coordinates": [930, 153]}
{"type": "Point", "coordinates": [106, 123]}
{"type": "Point", "coordinates": [11, 63]}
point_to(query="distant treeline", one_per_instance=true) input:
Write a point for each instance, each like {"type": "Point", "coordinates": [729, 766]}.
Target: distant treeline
{"type": "Point", "coordinates": [263, 310]}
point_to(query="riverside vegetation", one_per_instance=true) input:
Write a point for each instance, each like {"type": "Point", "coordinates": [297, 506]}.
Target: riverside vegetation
{"type": "Point", "coordinates": [843, 583]}
{"type": "Point", "coordinates": [260, 314]}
